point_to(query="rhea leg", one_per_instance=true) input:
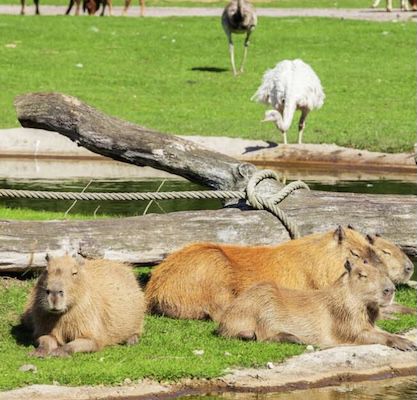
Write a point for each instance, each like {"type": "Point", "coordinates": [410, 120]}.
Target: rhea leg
{"type": "Point", "coordinates": [375, 3]}
{"type": "Point", "coordinates": [142, 8]}
{"type": "Point", "coordinates": [302, 125]}
{"type": "Point", "coordinates": [389, 5]}
{"type": "Point", "coordinates": [284, 136]}
{"type": "Point", "coordinates": [127, 5]}
{"type": "Point", "coordinates": [231, 49]}
{"type": "Point", "coordinates": [22, 10]}
{"type": "Point", "coordinates": [245, 50]}
{"type": "Point", "coordinates": [36, 7]}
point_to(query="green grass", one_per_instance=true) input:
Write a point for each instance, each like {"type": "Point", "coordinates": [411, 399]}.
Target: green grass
{"type": "Point", "coordinates": [142, 70]}
{"type": "Point", "coordinates": [164, 353]}
{"type": "Point", "coordinates": [27, 214]}
{"type": "Point", "coordinates": [217, 3]}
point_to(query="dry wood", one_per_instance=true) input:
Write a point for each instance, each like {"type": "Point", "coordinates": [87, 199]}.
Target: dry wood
{"type": "Point", "coordinates": [149, 238]}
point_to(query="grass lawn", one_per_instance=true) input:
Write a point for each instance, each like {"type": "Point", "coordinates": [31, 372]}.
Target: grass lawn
{"type": "Point", "coordinates": [164, 353]}
{"type": "Point", "coordinates": [156, 72]}
{"type": "Point", "coordinates": [217, 3]}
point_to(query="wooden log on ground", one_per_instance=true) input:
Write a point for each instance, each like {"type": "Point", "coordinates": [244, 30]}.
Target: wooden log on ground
{"type": "Point", "coordinates": [148, 239]}
{"type": "Point", "coordinates": [392, 216]}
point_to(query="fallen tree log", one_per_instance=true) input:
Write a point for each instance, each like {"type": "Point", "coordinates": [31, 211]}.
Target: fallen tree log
{"type": "Point", "coordinates": [148, 239]}
{"type": "Point", "coordinates": [392, 216]}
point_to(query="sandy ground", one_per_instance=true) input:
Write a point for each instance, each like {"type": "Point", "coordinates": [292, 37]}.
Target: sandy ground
{"type": "Point", "coordinates": [359, 14]}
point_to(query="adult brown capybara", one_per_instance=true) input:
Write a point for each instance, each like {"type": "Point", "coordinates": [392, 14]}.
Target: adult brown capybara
{"type": "Point", "coordinates": [200, 280]}
{"type": "Point", "coordinates": [343, 313]}
{"type": "Point", "coordinates": [82, 306]}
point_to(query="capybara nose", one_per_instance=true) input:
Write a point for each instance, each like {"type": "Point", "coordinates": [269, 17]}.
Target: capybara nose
{"type": "Point", "coordinates": [389, 291]}
{"type": "Point", "coordinates": [409, 268]}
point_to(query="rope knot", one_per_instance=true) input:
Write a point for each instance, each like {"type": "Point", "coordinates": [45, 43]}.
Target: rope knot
{"type": "Point", "coordinates": [271, 204]}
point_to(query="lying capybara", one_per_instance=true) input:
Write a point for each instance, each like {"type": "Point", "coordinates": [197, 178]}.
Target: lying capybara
{"type": "Point", "coordinates": [82, 306]}
{"type": "Point", "coordinates": [200, 280]}
{"type": "Point", "coordinates": [399, 265]}
{"type": "Point", "coordinates": [343, 313]}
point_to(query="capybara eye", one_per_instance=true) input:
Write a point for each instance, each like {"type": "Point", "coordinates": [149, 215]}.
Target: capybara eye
{"type": "Point", "coordinates": [47, 291]}
{"type": "Point", "coordinates": [74, 273]}
{"type": "Point", "coordinates": [354, 253]}
{"type": "Point", "coordinates": [386, 252]}
{"type": "Point", "coordinates": [61, 293]}
{"type": "Point", "coordinates": [365, 261]}
{"type": "Point", "coordinates": [362, 275]}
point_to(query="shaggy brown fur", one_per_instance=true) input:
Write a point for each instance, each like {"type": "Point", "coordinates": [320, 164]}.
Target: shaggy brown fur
{"type": "Point", "coordinates": [200, 280]}
{"type": "Point", "coordinates": [82, 307]}
{"type": "Point", "coordinates": [345, 313]}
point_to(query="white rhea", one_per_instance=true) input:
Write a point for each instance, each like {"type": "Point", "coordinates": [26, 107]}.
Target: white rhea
{"type": "Point", "coordinates": [291, 85]}
{"type": "Point", "coordinates": [238, 17]}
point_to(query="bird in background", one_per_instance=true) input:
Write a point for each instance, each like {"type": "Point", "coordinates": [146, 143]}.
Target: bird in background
{"type": "Point", "coordinates": [291, 85]}
{"type": "Point", "coordinates": [238, 17]}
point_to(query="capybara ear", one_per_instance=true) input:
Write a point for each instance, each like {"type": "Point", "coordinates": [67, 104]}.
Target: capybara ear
{"type": "Point", "coordinates": [351, 227]}
{"type": "Point", "coordinates": [48, 257]}
{"type": "Point", "coordinates": [339, 234]}
{"type": "Point", "coordinates": [348, 266]}
{"type": "Point", "coordinates": [370, 239]}
{"type": "Point", "coordinates": [377, 235]}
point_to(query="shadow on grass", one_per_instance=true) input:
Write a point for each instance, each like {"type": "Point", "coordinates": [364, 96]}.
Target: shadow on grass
{"type": "Point", "coordinates": [22, 334]}
{"type": "Point", "coordinates": [209, 69]}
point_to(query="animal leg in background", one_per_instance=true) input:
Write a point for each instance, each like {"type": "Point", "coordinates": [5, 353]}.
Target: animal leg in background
{"type": "Point", "coordinates": [22, 10]}
{"type": "Point", "coordinates": [231, 48]}
{"type": "Point", "coordinates": [142, 7]}
{"type": "Point", "coordinates": [23, 4]}
{"type": "Point", "coordinates": [302, 124]}
{"type": "Point", "coordinates": [77, 7]}
{"type": "Point", "coordinates": [245, 51]}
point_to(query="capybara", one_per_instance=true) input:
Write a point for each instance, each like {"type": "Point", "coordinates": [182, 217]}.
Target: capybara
{"type": "Point", "coordinates": [399, 265]}
{"type": "Point", "coordinates": [343, 313]}
{"type": "Point", "coordinates": [201, 279]}
{"type": "Point", "coordinates": [82, 306]}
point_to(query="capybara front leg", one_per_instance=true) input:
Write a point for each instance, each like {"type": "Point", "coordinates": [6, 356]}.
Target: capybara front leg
{"type": "Point", "coordinates": [76, 346]}
{"type": "Point", "coordinates": [132, 340]}
{"type": "Point", "coordinates": [286, 337]}
{"type": "Point", "coordinates": [387, 339]}
{"type": "Point", "coordinates": [246, 335]}
{"type": "Point", "coordinates": [387, 312]}
{"type": "Point", "coordinates": [46, 345]}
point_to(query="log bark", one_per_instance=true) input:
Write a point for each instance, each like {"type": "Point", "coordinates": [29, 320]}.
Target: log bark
{"type": "Point", "coordinates": [392, 216]}
{"type": "Point", "coordinates": [124, 141]}
{"type": "Point", "coordinates": [148, 239]}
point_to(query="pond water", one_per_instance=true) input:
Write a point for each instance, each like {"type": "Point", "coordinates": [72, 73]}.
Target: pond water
{"type": "Point", "coordinates": [398, 389]}
{"type": "Point", "coordinates": [130, 208]}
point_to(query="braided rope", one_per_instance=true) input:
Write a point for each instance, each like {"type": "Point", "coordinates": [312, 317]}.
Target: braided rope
{"type": "Point", "coordinates": [271, 204]}
{"type": "Point", "coordinates": [251, 194]}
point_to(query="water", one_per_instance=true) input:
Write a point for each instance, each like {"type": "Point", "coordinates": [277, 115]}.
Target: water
{"type": "Point", "coordinates": [131, 208]}
{"type": "Point", "coordinates": [390, 389]}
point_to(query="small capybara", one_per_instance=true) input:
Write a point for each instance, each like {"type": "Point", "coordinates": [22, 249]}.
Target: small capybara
{"type": "Point", "coordinates": [200, 280]}
{"type": "Point", "coordinates": [82, 306]}
{"type": "Point", "coordinates": [344, 313]}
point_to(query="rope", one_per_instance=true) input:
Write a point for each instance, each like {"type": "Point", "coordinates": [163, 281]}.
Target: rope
{"type": "Point", "coordinates": [251, 194]}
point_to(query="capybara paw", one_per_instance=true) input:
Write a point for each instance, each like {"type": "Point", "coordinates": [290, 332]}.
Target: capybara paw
{"type": "Point", "coordinates": [402, 344]}
{"type": "Point", "coordinates": [60, 352]}
{"type": "Point", "coordinates": [40, 352]}
{"type": "Point", "coordinates": [132, 340]}
{"type": "Point", "coordinates": [246, 335]}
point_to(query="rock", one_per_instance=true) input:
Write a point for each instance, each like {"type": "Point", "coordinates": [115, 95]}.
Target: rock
{"type": "Point", "coordinates": [28, 368]}
{"type": "Point", "coordinates": [270, 365]}
{"type": "Point", "coordinates": [198, 352]}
